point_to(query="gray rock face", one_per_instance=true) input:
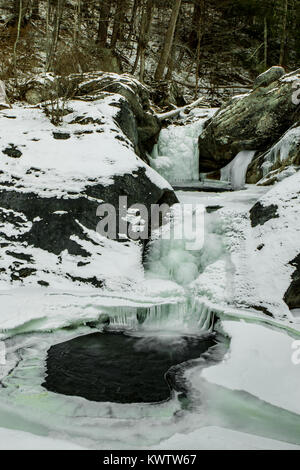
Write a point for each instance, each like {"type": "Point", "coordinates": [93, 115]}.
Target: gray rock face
{"type": "Point", "coordinates": [59, 224]}
{"type": "Point", "coordinates": [254, 121]}
{"type": "Point", "coordinates": [270, 76]}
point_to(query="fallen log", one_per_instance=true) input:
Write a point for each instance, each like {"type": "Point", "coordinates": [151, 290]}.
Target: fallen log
{"type": "Point", "coordinates": [176, 111]}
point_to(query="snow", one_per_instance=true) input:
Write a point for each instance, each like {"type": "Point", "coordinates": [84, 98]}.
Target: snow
{"type": "Point", "coordinates": [290, 77]}
{"type": "Point", "coordinates": [248, 277]}
{"type": "Point", "coordinates": [62, 169]}
{"type": "Point", "coordinates": [93, 425]}
{"type": "Point", "coordinates": [119, 265]}
{"type": "Point", "coordinates": [259, 362]}
{"type": "Point", "coordinates": [218, 438]}
{"type": "Point", "coordinates": [235, 172]}
{"type": "Point", "coordinates": [18, 440]}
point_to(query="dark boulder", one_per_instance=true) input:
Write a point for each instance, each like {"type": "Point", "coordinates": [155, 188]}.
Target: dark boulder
{"type": "Point", "coordinates": [260, 214]}
{"type": "Point", "coordinates": [292, 295]}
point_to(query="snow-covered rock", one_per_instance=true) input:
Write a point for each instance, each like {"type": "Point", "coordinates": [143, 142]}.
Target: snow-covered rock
{"type": "Point", "coordinates": [259, 362]}
{"type": "Point", "coordinates": [52, 180]}
{"type": "Point", "coordinates": [266, 250]}
{"type": "Point", "coordinates": [135, 117]}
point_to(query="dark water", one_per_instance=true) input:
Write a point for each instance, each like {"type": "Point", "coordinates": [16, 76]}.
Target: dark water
{"type": "Point", "coordinates": [118, 368]}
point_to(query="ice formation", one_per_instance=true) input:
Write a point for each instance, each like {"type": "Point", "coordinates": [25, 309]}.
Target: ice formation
{"type": "Point", "coordinates": [235, 172]}
{"type": "Point", "coordinates": [176, 155]}
{"type": "Point", "coordinates": [281, 152]}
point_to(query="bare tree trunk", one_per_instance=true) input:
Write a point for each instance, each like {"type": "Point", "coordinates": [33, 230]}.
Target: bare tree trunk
{"type": "Point", "coordinates": [77, 26]}
{"type": "Point", "coordinates": [48, 43]}
{"type": "Point", "coordinates": [55, 33]}
{"type": "Point", "coordinates": [103, 23]}
{"type": "Point", "coordinates": [198, 51]}
{"type": "Point", "coordinates": [284, 32]}
{"type": "Point", "coordinates": [266, 42]}
{"type": "Point", "coordinates": [16, 12]}
{"type": "Point", "coordinates": [145, 23]}
{"type": "Point", "coordinates": [145, 39]}
{"type": "Point", "coordinates": [142, 33]}
{"type": "Point", "coordinates": [118, 22]}
{"type": "Point", "coordinates": [132, 19]}
{"type": "Point", "coordinates": [35, 13]}
{"type": "Point", "coordinates": [168, 41]}
{"type": "Point", "coordinates": [171, 61]}
{"type": "Point", "coordinates": [195, 21]}
{"type": "Point", "coordinates": [18, 36]}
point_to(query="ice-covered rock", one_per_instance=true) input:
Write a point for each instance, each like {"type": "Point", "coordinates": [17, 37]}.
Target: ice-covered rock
{"type": "Point", "coordinates": [280, 161]}
{"type": "Point", "coordinates": [235, 172]}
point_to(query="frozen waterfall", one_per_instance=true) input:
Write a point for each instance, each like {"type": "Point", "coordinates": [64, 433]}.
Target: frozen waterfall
{"type": "Point", "coordinates": [176, 155]}
{"type": "Point", "coordinates": [235, 172]}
